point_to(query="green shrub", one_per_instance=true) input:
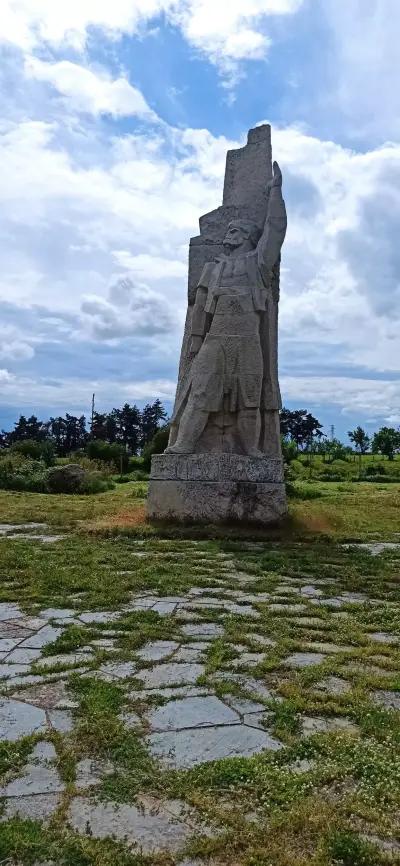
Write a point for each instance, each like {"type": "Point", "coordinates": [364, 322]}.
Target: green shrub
{"type": "Point", "coordinates": [44, 451]}
{"type": "Point", "coordinates": [139, 491]}
{"type": "Point", "coordinates": [157, 446]}
{"type": "Point", "coordinates": [18, 472]}
{"type": "Point", "coordinates": [115, 454]}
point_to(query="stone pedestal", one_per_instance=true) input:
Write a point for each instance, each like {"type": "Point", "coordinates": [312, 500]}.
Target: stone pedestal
{"type": "Point", "coordinates": [214, 488]}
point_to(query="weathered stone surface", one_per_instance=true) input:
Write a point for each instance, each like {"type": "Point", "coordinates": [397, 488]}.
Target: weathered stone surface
{"type": "Point", "coordinates": [317, 725]}
{"type": "Point", "coordinates": [116, 670]}
{"type": "Point", "coordinates": [184, 749]}
{"type": "Point", "coordinates": [390, 700]}
{"type": "Point", "coordinates": [151, 825]}
{"type": "Point", "coordinates": [203, 630]}
{"type": "Point", "coordinates": [19, 720]}
{"type": "Point", "coordinates": [303, 660]}
{"type": "Point", "coordinates": [170, 674]}
{"type": "Point", "coordinates": [91, 772]}
{"type": "Point", "coordinates": [333, 686]}
{"type": "Point", "coordinates": [218, 501]}
{"type": "Point", "coordinates": [384, 637]}
{"type": "Point", "coordinates": [191, 713]}
{"type": "Point", "coordinates": [47, 634]}
{"type": "Point", "coordinates": [157, 650]}
{"type": "Point", "coordinates": [36, 779]}
{"type": "Point", "coordinates": [38, 807]}
{"type": "Point", "coordinates": [61, 721]}
{"type": "Point", "coordinates": [216, 467]}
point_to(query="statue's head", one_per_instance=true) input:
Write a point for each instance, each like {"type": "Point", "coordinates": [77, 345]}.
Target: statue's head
{"type": "Point", "coordinates": [242, 234]}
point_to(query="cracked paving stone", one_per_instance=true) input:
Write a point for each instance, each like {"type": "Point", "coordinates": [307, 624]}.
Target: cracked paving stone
{"type": "Point", "coordinates": [188, 654]}
{"type": "Point", "coordinates": [44, 636]}
{"type": "Point", "coordinates": [177, 692]}
{"type": "Point", "coordinates": [35, 779]}
{"type": "Point", "coordinates": [185, 749]}
{"type": "Point", "coordinates": [248, 684]}
{"type": "Point", "coordinates": [61, 721]}
{"type": "Point", "coordinates": [10, 671]}
{"type": "Point", "coordinates": [244, 706]}
{"type": "Point", "coordinates": [303, 660]}
{"type": "Point", "coordinates": [314, 725]}
{"type": "Point", "coordinates": [9, 610]}
{"type": "Point", "coordinates": [333, 686]}
{"type": "Point", "coordinates": [390, 700]}
{"type": "Point", "coordinates": [191, 713]}
{"type": "Point", "coordinates": [48, 695]}
{"type": "Point", "coordinates": [203, 630]}
{"type": "Point", "coordinates": [7, 644]}
{"type": "Point", "coordinates": [23, 656]}
{"type": "Point", "coordinates": [91, 772]}
{"type": "Point", "coordinates": [171, 674]}
{"type": "Point", "coordinates": [116, 670]}
{"type": "Point", "coordinates": [58, 613]}
{"type": "Point", "coordinates": [151, 825]}
{"type": "Point", "coordinates": [157, 650]}
{"type": "Point", "coordinates": [65, 659]}
{"type": "Point", "coordinates": [39, 807]}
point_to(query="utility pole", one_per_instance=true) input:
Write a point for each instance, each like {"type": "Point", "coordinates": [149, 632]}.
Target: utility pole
{"type": "Point", "coordinates": [332, 432]}
{"type": "Point", "coordinates": [92, 417]}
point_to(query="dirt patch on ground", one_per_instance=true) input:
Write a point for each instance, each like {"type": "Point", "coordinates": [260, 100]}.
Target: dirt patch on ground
{"type": "Point", "coordinates": [135, 516]}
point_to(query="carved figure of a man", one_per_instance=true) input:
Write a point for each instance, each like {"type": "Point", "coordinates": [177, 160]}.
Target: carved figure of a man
{"type": "Point", "coordinates": [234, 336]}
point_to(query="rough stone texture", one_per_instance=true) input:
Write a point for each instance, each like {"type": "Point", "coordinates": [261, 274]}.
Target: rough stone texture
{"type": "Point", "coordinates": [39, 807]}
{"type": "Point", "coordinates": [151, 825]}
{"type": "Point", "coordinates": [170, 674]}
{"type": "Point", "coordinates": [333, 686]}
{"type": "Point", "coordinates": [19, 720]}
{"type": "Point", "coordinates": [184, 749]}
{"type": "Point", "coordinates": [224, 461]}
{"type": "Point", "coordinates": [218, 501]}
{"type": "Point", "coordinates": [390, 700]}
{"type": "Point", "coordinates": [303, 660]}
{"type": "Point", "coordinates": [191, 713]}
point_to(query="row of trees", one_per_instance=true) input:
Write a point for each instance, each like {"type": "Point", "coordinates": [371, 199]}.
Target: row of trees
{"type": "Point", "coordinates": [134, 428]}
{"type": "Point", "coordinates": [305, 432]}
{"type": "Point", "coordinates": [129, 426]}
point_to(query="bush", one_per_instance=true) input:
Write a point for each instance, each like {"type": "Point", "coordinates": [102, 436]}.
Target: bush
{"type": "Point", "coordinates": [115, 454]}
{"type": "Point", "coordinates": [66, 479]}
{"type": "Point", "coordinates": [18, 472]}
{"type": "Point", "coordinates": [157, 446]}
{"type": "Point", "coordinates": [44, 451]}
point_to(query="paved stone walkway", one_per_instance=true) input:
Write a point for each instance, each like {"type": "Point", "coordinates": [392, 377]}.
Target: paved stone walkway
{"type": "Point", "coordinates": [185, 714]}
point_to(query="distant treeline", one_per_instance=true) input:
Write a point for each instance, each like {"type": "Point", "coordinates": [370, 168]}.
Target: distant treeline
{"type": "Point", "coordinates": [130, 427]}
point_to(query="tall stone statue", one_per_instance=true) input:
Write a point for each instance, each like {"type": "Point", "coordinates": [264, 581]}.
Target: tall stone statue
{"type": "Point", "coordinates": [223, 461]}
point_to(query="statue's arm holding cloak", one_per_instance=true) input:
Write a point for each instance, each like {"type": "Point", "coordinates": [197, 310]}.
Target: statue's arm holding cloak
{"type": "Point", "coordinates": [270, 243]}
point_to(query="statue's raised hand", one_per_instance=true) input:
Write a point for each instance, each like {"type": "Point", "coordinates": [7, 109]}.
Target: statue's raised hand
{"type": "Point", "coordinates": [277, 177]}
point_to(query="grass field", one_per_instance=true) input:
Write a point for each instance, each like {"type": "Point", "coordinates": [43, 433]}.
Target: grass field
{"type": "Point", "coordinates": [298, 627]}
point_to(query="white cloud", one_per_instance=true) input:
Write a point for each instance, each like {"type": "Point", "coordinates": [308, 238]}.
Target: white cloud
{"type": "Point", "coordinates": [351, 395]}
{"type": "Point", "coordinates": [89, 91]}
{"type": "Point", "coordinates": [364, 66]}
{"type": "Point", "coordinates": [130, 309]}
{"type": "Point", "coordinates": [224, 35]}
{"type": "Point", "coordinates": [13, 345]}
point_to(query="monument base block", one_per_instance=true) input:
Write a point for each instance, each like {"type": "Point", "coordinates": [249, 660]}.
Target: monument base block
{"type": "Point", "coordinates": [212, 488]}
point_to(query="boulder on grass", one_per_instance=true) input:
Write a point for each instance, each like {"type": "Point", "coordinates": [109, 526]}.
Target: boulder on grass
{"type": "Point", "coordinates": [66, 479]}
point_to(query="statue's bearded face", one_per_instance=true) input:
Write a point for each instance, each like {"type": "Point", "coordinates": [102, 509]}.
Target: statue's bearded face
{"type": "Point", "coordinates": [235, 236]}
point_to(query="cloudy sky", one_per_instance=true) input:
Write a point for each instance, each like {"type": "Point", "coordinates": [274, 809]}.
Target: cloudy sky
{"type": "Point", "coordinates": [116, 117]}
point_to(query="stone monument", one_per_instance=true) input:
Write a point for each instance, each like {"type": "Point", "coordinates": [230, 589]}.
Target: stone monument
{"type": "Point", "coordinates": [224, 460]}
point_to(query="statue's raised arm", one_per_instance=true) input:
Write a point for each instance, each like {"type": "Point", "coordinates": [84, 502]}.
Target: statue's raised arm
{"type": "Point", "coordinates": [272, 238]}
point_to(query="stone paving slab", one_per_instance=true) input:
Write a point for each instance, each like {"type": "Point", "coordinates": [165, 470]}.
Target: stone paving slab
{"type": "Point", "coordinates": [19, 720]}
{"type": "Point", "coordinates": [150, 825]}
{"type": "Point", "coordinates": [170, 674]}
{"type": "Point", "coordinates": [193, 712]}
{"type": "Point", "coordinates": [185, 749]}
